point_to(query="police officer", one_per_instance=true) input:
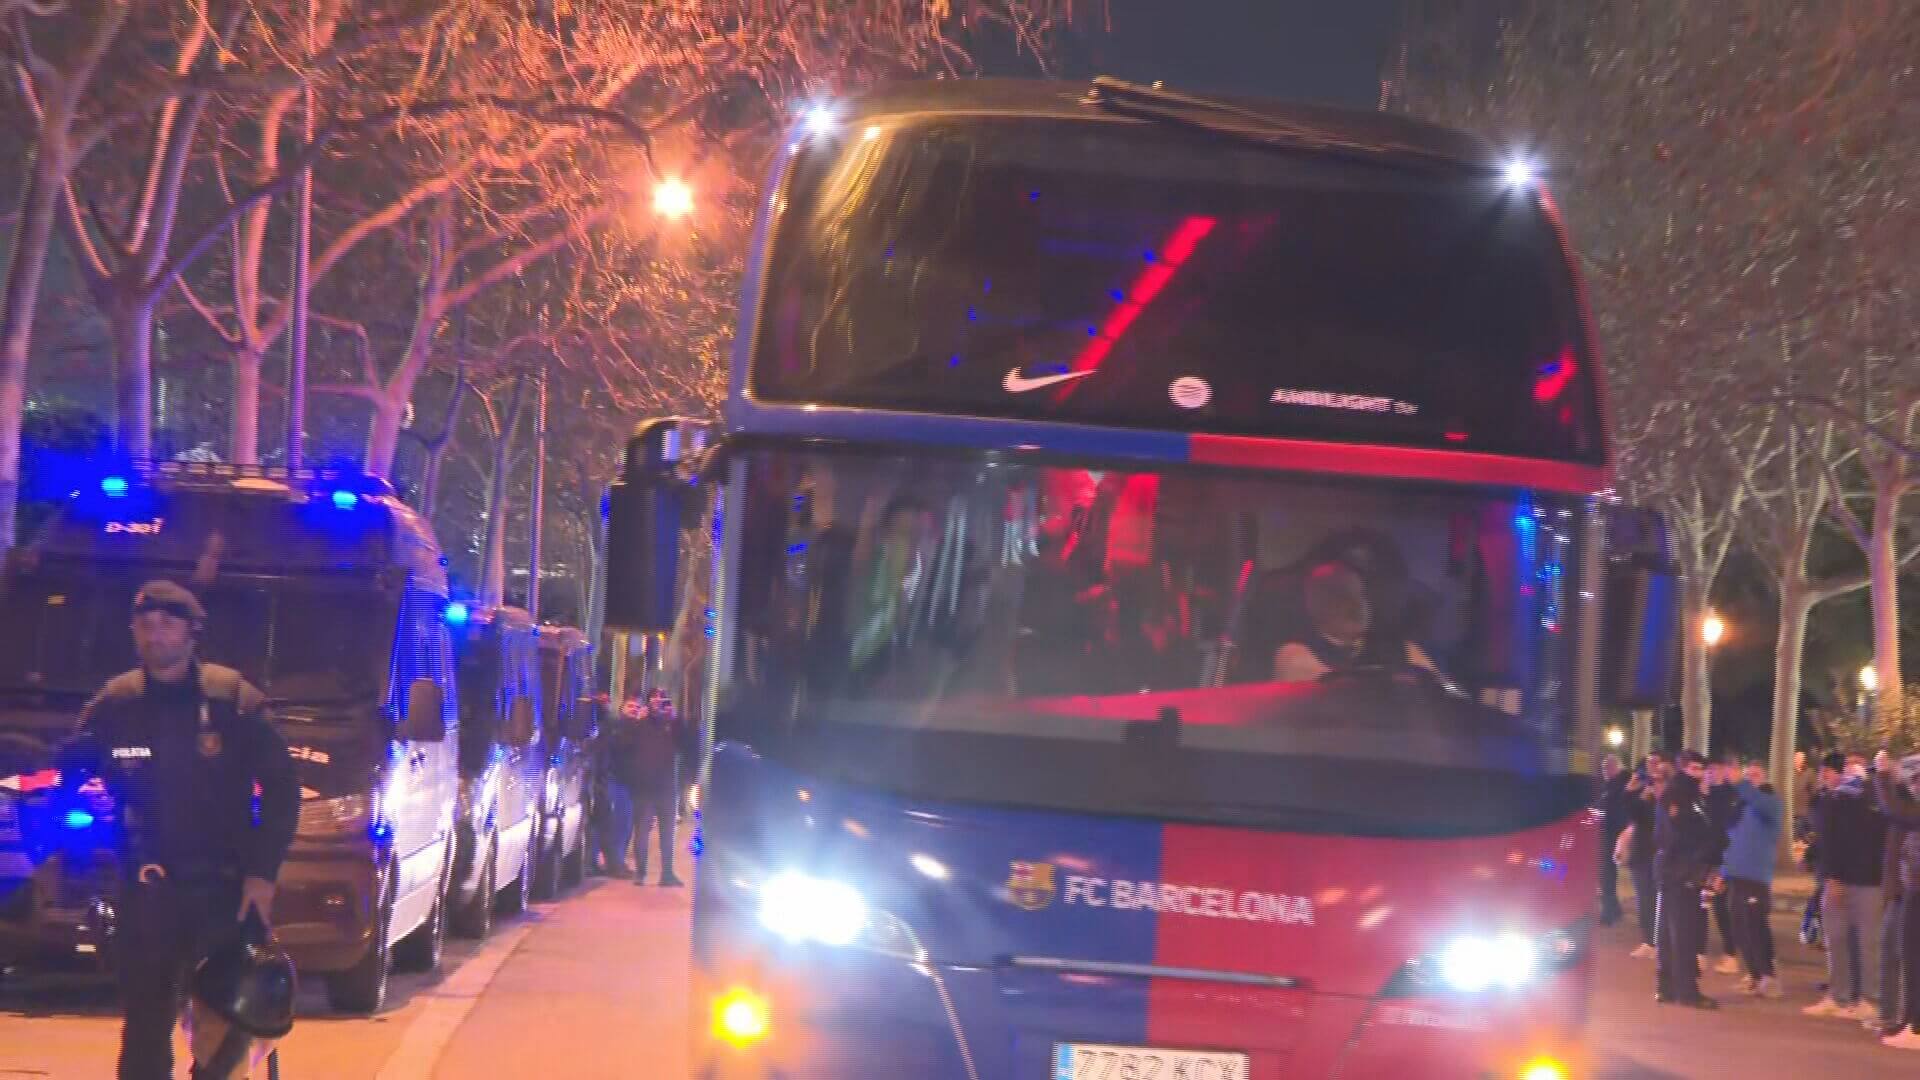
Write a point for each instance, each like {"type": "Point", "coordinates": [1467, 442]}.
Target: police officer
{"type": "Point", "coordinates": [182, 747]}
{"type": "Point", "coordinates": [1687, 847]}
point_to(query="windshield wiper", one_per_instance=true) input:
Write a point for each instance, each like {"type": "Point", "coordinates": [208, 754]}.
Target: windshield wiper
{"type": "Point", "coordinates": [1249, 125]}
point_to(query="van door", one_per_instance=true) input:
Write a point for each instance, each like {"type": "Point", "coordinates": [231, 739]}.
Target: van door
{"type": "Point", "coordinates": [425, 774]}
{"type": "Point", "coordinates": [522, 766]}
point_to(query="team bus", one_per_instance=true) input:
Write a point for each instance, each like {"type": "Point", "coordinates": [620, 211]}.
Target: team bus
{"type": "Point", "coordinates": [327, 593]}
{"type": "Point", "coordinates": [1154, 627]}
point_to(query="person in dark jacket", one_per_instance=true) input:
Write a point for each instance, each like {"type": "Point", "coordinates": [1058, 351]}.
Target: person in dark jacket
{"type": "Point", "coordinates": [1614, 818]}
{"type": "Point", "coordinates": [181, 747]}
{"type": "Point", "coordinates": [1642, 794]}
{"type": "Point", "coordinates": [1747, 868]}
{"type": "Point", "coordinates": [1892, 897]}
{"type": "Point", "coordinates": [1851, 836]}
{"type": "Point", "coordinates": [1687, 847]}
{"type": "Point", "coordinates": [648, 743]}
{"type": "Point", "coordinates": [1897, 792]}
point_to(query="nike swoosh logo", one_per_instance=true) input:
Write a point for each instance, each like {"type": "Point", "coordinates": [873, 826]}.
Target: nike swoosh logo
{"type": "Point", "coordinates": [1017, 383]}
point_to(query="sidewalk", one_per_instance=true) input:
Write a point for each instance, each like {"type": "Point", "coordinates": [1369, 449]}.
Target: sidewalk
{"type": "Point", "coordinates": [596, 989]}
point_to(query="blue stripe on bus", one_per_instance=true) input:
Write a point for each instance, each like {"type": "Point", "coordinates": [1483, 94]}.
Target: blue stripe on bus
{"type": "Point", "coordinates": [960, 432]}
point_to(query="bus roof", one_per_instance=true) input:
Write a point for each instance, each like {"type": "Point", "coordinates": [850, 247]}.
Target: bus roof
{"type": "Point", "coordinates": [1060, 99]}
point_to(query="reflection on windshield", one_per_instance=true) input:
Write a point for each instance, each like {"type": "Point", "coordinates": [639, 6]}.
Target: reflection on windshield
{"type": "Point", "coordinates": [1026, 600]}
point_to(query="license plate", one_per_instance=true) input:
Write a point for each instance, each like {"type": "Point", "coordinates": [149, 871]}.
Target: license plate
{"type": "Point", "coordinates": [1092, 1061]}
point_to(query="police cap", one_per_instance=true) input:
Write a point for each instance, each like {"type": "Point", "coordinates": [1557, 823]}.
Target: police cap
{"type": "Point", "coordinates": [173, 599]}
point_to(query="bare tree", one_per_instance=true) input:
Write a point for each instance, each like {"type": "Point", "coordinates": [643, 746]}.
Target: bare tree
{"type": "Point", "coordinates": [49, 82]}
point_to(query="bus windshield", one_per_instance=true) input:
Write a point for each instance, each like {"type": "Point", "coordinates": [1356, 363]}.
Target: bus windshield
{"type": "Point", "coordinates": [1164, 642]}
{"type": "Point", "coordinates": [66, 634]}
{"type": "Point", "coordinates": [1147, 277]}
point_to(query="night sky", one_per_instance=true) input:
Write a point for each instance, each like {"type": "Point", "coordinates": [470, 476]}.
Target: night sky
{"type": "Point", "coordinates": [1312, 50]}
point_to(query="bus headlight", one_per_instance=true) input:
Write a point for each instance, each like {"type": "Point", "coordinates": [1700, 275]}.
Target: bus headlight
{"type": "Point", "coordinates": [1481, 963]}
{"type": "Point", "coordinates": [1472, 964]}
{"type": "Point", "coordinates": [799, 907]}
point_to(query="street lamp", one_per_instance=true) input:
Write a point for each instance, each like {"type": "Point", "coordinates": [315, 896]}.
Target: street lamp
{"type": "Point", "coordinates": [1869, 679]}
{"type": "Point", "coordinates": [1712, 629]}
{"type": "Point", "coordinates": [672, 198]}
{"type": "Point", "coordinates": [1616, 738]}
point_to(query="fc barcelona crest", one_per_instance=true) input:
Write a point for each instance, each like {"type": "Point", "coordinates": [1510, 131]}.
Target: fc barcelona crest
{"type": "Point", "coordinates": [1030, 885]}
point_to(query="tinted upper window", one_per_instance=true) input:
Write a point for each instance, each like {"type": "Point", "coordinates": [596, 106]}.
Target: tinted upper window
{"type": "Point", "coordinates": [1149, 277]}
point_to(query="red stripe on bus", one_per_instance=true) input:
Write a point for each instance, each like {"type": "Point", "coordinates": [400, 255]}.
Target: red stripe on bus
{"type": "Point", "coordinates": [1452, 466]}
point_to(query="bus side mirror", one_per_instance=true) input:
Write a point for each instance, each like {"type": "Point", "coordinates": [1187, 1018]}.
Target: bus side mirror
{"type": "Point", "coordinates": [425, 721]}
{"type": "Point", "coordinates": [519, 722]}
{"type": "Point", "coordinates": [1640, 640]}
{"type": "Point", "coordinates": [645, 510]}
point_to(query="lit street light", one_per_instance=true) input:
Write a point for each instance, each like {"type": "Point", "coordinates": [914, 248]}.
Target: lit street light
{"type": "Point", "coordinates": [1869, 679]}
{"type": "Point", "coordinates": [672, 199]}
{"type": "Point", "coordinates": [1616, 738]}
{"type": "Point", "coordinates": [1712, 629]}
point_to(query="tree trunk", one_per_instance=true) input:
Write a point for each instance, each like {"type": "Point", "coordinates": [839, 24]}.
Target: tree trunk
{"type": "Point", "coordinates": [493, 582]}
{"type": "Point", "coordinates": [244, 445]}
{"type": "Point", "coordinates": [1696, 686]}
{"type": "Point", "coordinates": [383, 431]}
{"type": "Point", "coordinates": [25, 271]}
{"type": "Point", "coordinates": [1789, 647]}
{"type": "Point", "coordinates": [130, 323]}
{"type": "Point", "coordinates": [1883, 564]}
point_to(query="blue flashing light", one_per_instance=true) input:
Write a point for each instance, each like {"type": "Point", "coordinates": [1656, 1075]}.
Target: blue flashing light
{"type": "Point", "coordinates": [1117, 294]}
{"type": "Point", "coordinates": [345, 500]}
{"type": "Point", "coordinates": [1033, 196]}
{"type": "Point", "coordinates": [973, 315]}
{"type": "Point", "coordinates": [79, 819]}
{"type": "Point", "coordinates": [457, 613]}
{"type": "Point", "coordinates": [113, 487]}
{"type": "Point", "coordinates": [954, 360]}
{"type": "Point", "coordinates": [380, 832]}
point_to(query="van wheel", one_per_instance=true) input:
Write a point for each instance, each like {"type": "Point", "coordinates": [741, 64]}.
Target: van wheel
{"type": "Point", "coordinates": [474, 918]}
{"type": "Point", "coordinates": [514, 900]}
{"type": "Point", "coordinates": [421, 950]}
{"type": "Point", "coordinates": [362, 989]}
{"type": "Point", "coordinates": [546, 864]}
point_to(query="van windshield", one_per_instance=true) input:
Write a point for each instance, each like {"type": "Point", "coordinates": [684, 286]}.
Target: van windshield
{"type": "Point", "coordinates": [66, 633]}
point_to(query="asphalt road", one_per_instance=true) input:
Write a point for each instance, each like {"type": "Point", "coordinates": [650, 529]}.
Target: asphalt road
{"type": "Point", "coordinates": [593, 986]}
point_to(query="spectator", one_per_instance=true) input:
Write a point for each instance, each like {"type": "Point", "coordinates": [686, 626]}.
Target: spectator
{"type": "Point", "coordinates": [649, 741]}
{"type": "Point", "coordinates": [1851, 835]}
{"type": "Point", "coordinates": [1723, 806]}
{"type": "Point", "coordinates": [1748, 870]}
{"type": "Point", "coordinates": [1684, 864]}
{"type": "Point", "coordinates": [1642, 793]}
{"type": "Point", "coordinates": [616, 808]}
{"type": "Point", "coordinates": [1613, 809]}
{"type": "Point", "coordinates": [1892, 903]}
{"type": "Point", "coordinates": [1896, 791]}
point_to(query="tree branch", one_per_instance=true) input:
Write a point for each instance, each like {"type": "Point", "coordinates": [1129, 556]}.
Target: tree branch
{"type": "Point", "coordinates": [365, 125]}
{"type": "Point", "coordinates": [527, 256]}
{"type": "Point", "coordinates": [208, 315]}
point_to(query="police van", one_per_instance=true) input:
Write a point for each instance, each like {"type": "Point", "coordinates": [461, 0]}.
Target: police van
{"type": "Point", "coordinates": [325, 591]}
{"type": "Point", "coordinates": [571, 719]}
{"type": "Point", "coordinates": [502, 768]}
